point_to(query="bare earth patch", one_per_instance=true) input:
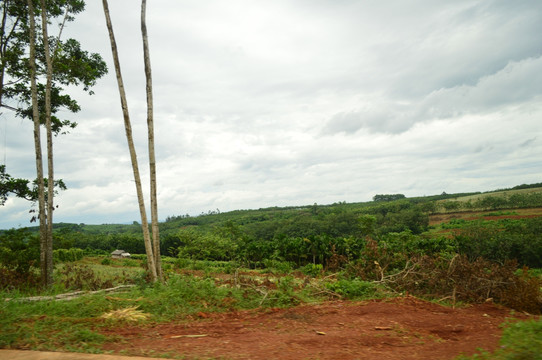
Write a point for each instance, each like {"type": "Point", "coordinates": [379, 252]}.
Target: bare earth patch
{"type": "Point", "coordinates": [400, 328]}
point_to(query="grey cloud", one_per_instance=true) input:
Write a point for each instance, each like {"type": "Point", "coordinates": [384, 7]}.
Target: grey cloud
{"type": "Point", "coordinates": [528, 142]}
{"type": "Point", "coordinates": [517, 82]}
{"type": "Point", "coordinates": [371, 121]}
{"type": "Point", "coordinates": [262, 103]}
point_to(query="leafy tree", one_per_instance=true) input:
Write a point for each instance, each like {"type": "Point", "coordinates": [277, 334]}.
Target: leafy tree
{"type": "Point", "coordinates": [388, 197]}
{"type": "Point", "coordinates": [33, 71]}
{"type": "Point", "coordinates": [22, 187]}
{"type": "Point", "coordinates": [71, 65]}
{"type": "Point", "coordinates": [10, 185]}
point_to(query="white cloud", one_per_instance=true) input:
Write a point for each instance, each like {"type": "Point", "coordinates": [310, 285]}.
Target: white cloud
{"type": "Point", "coordinates": [261, 103]}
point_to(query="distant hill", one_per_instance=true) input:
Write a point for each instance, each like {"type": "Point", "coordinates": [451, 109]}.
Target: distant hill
{"type": "Point", "coordinates": [443, 202]}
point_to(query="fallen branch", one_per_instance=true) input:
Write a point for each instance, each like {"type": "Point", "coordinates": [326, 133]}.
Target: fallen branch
{"type": "Point", "coordinates": [72, 295]}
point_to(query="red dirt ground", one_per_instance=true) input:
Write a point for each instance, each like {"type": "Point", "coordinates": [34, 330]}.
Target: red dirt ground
{"type": "Point", "coordinates": [400, 328]}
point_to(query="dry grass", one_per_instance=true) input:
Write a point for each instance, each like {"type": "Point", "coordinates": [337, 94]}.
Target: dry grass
{"type": "Point", "coordinates": [130, 314]}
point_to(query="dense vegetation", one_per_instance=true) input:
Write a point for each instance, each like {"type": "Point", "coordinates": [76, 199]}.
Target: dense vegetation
{"type": "Point", "coordinates": [314, 234]}
{"type": "Point", "coordinates": [371, 241]}
{"type": "Point", "coordinates": [282, 257]}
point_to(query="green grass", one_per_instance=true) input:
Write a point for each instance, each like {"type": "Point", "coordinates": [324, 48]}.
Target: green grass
{"type": "Point", "coordinates": [75, 325]}
{"type": "Point", "coordinates": [520, 341]}
{"type": "Point", "coordinates": [201, 286]}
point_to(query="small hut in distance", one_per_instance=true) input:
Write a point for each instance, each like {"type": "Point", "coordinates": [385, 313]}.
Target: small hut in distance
{"type": "Point", "coordinates": [120, 254]}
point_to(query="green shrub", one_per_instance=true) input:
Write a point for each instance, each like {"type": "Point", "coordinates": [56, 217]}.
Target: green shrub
{"type": "Point", "coordinates": [351, 289]}
{"type": "Point", "coordinates": [312, 269]}
{"type": "Point", "coordinates": [281, 267]}
{"type": "Point", "coordinates": [19, 250]}
{"type": "Point", "coordinates": [519, 341]}
{"type": "Point", "coordinates": [19, 257]}
{"type": "Point", "coordinates": [67, 255]}
{"type": "Point", "coordinates": [130, 263]}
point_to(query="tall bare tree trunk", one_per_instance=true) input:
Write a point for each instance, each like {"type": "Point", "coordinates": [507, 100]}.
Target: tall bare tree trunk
{"type": "Point", "coordinates": [46, 276]}
{"type": "Point", "coordinates": [50, 168]}
{"type": "Point", "coordinates": [150, 127]}
{"type": "Point", "coordinates": [133, 156]}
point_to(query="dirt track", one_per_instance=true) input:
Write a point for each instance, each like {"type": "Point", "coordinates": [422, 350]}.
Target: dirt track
{"type": "Point", "coordinates": [402, 328]}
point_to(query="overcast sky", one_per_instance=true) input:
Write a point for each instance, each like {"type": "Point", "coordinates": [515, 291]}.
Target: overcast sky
{"type": "Point", "coordinates": [295, 102]}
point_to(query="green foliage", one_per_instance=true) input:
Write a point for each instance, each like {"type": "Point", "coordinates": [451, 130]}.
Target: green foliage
{"type": "Point", "coordinates": [353, 289]}
{"type": "Point", "coordinates": [520, 341]}
{"type": "Point", "coordinates": [67, 255]}
{"type": "Point", "coordinates": [388, 197]}
{"type": "Point", "coordinates": [285, 295]}
{"type": "Point", "coordinates": [72, 65]}
{"type": "Point", "coordinates": [130, 263]}
{"type": "Point", "coordinates": [184, 295]}
{"type": "Point", "coordinates": [503, 240]}
{"type": "Point", "coordinates": [206, 246]}
{"type": "Point", "coordinates": [312, 269]}
{"type": "Point", "coordinates": [19, 257]}
{"type": "Point", "coordinates": [278, 267]}
{"type": "Point", "coordinates": [19, 250]}
{"type": "Point", "coordinates": [11, 185]}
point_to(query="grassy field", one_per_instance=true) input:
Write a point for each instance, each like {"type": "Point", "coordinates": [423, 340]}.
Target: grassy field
{"type": "Point", "coordinates": [192, 287]}
{"type": "Point", "coordinates": [503, 193]}
{"type": "Point", "coordinates": [197, 286]}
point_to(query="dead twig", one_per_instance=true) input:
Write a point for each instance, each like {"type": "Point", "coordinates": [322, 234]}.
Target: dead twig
{"type": "Point", "coordinates": [72, 295]}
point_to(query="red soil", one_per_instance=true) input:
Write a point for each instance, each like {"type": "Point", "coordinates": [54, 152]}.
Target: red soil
{"type": "Point", "coordinates": [401, 328]}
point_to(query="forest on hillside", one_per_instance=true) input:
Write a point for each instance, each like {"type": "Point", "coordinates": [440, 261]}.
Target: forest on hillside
{"type": "Point", "coordinates": [316, 234]}
{"type": "Point", "coordinates": [485, 245]}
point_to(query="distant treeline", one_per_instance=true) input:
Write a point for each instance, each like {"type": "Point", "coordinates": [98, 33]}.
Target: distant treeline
{"type": "Point", "coordinates": [315, 234]}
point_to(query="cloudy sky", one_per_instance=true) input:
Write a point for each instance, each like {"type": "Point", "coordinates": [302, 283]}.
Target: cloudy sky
{"type": "Point", "coordinates": [294, 102]}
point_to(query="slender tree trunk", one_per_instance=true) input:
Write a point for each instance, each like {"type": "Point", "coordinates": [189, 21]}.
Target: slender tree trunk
{"type": "Point", "coordinates": [152, 158]}
{"type": "Point", "coordinates": [133, 156]}
{"type": "Point", "coordinates": [3, 39]}
{"type": "Point", "coordinates": [37, 144]}
{"type": "Point", "coordinates": [50, 167]}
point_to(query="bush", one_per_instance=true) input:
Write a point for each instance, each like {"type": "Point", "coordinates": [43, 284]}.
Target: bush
{"type": "Point", "coordinates": [19, 250]}
{"type": "Point", "coordinates": [512, 239]}
{"type": "Point", "coordinates": [312, 269]}
{"type": "Point", "coordinates": [206, 246]}
{"type": "Point", "coordinates": [351, 289]}
{"type": "Point", "coordinates": [67, 255]}
{"type": "Point", "coordinates": [281, 267]}
{"type": "Point", "coordinates": [519, 341]}
{"type": "Point", "coordinates": [19, 258]}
